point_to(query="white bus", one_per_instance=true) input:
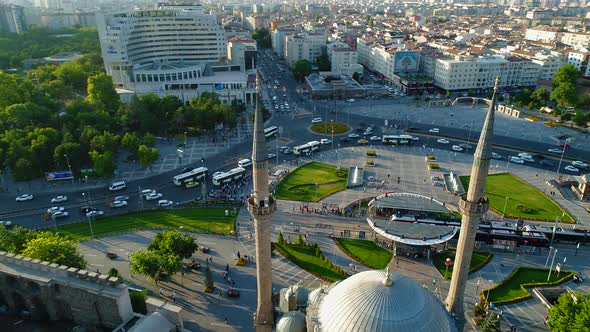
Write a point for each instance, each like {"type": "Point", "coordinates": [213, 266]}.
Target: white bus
{"type": "Point", "coordinates": [271, 131]}
{"type": "Point", "coordinates": [390, 139]}
{"type": "Point", "coordinates": [192, 176]}
{"type": "Point", "coordinates": [307, 148]}
{"type": "Point", "coordinates": [315, 145]}
{"type": "Point", "coordinates": [229, 176]}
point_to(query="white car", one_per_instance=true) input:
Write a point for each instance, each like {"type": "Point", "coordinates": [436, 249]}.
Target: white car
{"type": "Point", "coordinates": [95, 213]}
{"type": "Point", "coordinates": [55, 209]}
{"type": "Point", "coordinates": [118, 204]}
{"type": "Point", "coordinates": [60, 214]}
{"type": "Point", "coordinates": [496, 156]}
{"type": "Point", "coordinates": [524, 155]}
{"type": "Point", "coordinates": [6, 223]}
{"type": "Point", "coordinates": [325, 141]}
{"type": "Point", "coordinates": [353, 135]}
{"type": "Point", "coordinates": [457, 148]}
{"type": "Point", "coordinates": [25, 197]}
{"type": "Point", "coordinates": [351, 100]}
{"type": "Point", "coordinates": [217, 173]}
{"type": "Point", "coordinates": [516, 160]}
{"type": "Point", "coordinates": [59, 199]}
{"type": "Point", "coordinates": [121, 198]}
{"type": "Point", "coordinates": [527, 159]}
{"type": "Point", "coordinates": [146, 192]}
{"type": "Point", "coordinates": [579, 164]}
{"type": "Point", "coordinates": [443, 141]}
{"type": "Point", "coordinates": [375, 138]}
{"type": "Point", "coordinates": [316, 120]}
{"type": "Point", "coordinates": [165, 203]}
{"type": "Point", "coordinates": [153, 196]}
{"type": "Point", "coordinates": [555, 150]}
{"type": "Point", "coordinates": [433, 130]}
{"type": "Point", "coordinates": [572, 169]}
{"type": "Point", "coordinates": [271, 155]}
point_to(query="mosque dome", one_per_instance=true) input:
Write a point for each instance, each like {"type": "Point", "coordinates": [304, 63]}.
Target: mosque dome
{"type": "Point", "coordinates": [378, 301]}
{"type": "Point", "coordinates": [301, 294]}
{"type": "Point", "coordinates": [293, 321]}
{"type": "Point", "coordinates": [314, 295]}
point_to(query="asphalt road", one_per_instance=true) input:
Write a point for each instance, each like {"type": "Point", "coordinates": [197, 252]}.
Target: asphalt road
{"type": "Point", "coordinates": [295, 128]}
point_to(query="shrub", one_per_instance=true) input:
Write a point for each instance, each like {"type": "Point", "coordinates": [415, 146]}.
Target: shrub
{"type": "Point", "coordinates": [371, 153]}
{"type": "Point", "coordinates": [370, 162]}
{"type": "Point", "coordinates": [138, 301]}
{"type": "Point", "coordinates": [524, 209]}
{"type": "Point", "coordinates": [114, 273]}
{"type": "Point", "coordinates": [299, 240]}
{"type": "Point", "coordinates": [433, 166]}
{"type": "Point", "coordinates": [430, 157]}
{"type": "Point", "coordinates": [280, 239]}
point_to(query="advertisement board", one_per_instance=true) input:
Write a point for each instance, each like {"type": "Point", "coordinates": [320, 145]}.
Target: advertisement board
{"type": "Point", "coordinates": [406, 62]}
{"type": "Point", "coordinates": [57, 176]}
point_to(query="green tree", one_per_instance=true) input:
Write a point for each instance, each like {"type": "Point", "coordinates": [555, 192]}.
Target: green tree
{"type": "Point", "coordinates": [13, 90]}
{"type": "Point", "coordinates": [301, 69]}
{"type": "Point", "coordinates": [566, 74]}
{"type": "Point", "coordinates": [540, 97]}
{"type": "Point", "coordinates": [149, 140]}
{"type": "Point", "coordinates": [23, 170]}
{"type": "Point", "coordinates": [114, 273]}
{"type": "Point", "coordinates": [584, 101]}
{"type": "Point", "coordinates": [356, 76]}
{"type": "Point", "coordinates": [101, 91]}
{"type": "Point", "coordinates": [105, 142]}
{"type": "Point", "coordinates": [299, 240]}
{"type": "Point", "coordinates": [262, 38]}
{"type": "Point", "coordinates": [54, 248]}
{"type": "Point", "coordinates": [491, 323]}
{"type": "Point", "coordinates": [130, 142]}
{"type": "Point", "coordinates": [174, 242]}
{"type": "Point", "coordinates": [581, 118]}
{"type": "Point", "coordinates": [209, 284]}
{"type": "Point", "coordinates": [569, 314]}
{"type": "Point", "coordinates": [565, 95]}
{"type": "Point", "coordinates": [280, 239]}
{"type": "Point", "coordinates": [324, 63]}
{"type": "Point", "coordinates": [15, 239]}
{"type": "Point", "coordinates": [74, 153]}
{"type": "Point", "coordinates": [152, 264]}
{"type": "Point", "coordinates": [147, 156]}
{"type": "Point", "coordinates": [103, 163]}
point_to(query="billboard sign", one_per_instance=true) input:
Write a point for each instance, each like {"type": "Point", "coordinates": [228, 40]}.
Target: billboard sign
{"type": "Point", "coordinates": [406, 62]}
{"type": "Point", "coordinates": [56, 176]}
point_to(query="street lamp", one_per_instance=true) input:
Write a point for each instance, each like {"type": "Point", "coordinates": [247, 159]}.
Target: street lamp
{"type": "Point", "coordinates": [448, 262]}
{"type": "Point", "coordinates": [560, 160]}
{"type": "Point", "coordinates": [69, 167]}
{"type": "Point", "coordinates": [86, 197]}
{"type": "Point", "coordinates": [469, 137]}
{"type": "Point", "coordinates": [332, 123]}
{"type": "Point", "coordinates": [551, 267]}
{"type": "Point", "coordinates": [185, 140]}
{"type": "Point", "coordinates": [505, 203]}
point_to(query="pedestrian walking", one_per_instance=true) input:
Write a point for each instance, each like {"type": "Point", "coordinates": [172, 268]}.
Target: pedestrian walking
{"type": "Point", "coordinates": [161, 291]}
{"type": "Point", "coordinates": [227, 268]}
{"type": "Point", "coordinates": [173, 296]}
{"type": "Point", "coordinates": [225, 320]}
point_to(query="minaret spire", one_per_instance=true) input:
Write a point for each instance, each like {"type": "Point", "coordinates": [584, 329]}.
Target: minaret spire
{"type": "Point", "coordinates": [473, 206]}
{"type": "Point", "coordinates": [261, 206]}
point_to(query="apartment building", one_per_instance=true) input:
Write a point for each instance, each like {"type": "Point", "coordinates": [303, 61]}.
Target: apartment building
{"type": "Point", "coordinates": [277, 36]}
{"type": "Point", "coordinates": [303, 46]}
{"type": "Point", "coordinates": [12, 18]}
{"type": "Point", "coordinates": [257, 22]}
{"type": "Point", "coordinates": [241, 51]}
{"type": "Point", "coordinates": [578, 39]}
{"type": "Point", "coordinates": [387, 59]}
{"type": "Point", "coordinates": [479, 73]}
{"type": "Point", "coordinates": [175, 49]}
{"type": "Point", "coordinates": [546, 35]}
{"type": "Point", "coordinates": [344, 59]}
{"type": "Point", "coordinates": [579, 59]}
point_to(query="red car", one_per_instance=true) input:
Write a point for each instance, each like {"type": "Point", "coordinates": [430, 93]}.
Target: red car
{"type": "Point", "coordinates": [565, 146]}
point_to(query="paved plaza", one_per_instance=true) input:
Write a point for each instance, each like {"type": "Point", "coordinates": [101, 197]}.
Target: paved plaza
{"type": "Point", "coordinates": [207, 312]}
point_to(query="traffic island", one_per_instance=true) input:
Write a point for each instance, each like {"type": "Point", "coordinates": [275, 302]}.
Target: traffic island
{"type": "Point", "coordinates": [312, 182]}
{"type": "Point", "coordinates": [329, 128]}
{"type": "Point", "coordinates": [478, 260]}
{"type": "Point", "coordinates": [365, 252]}
{"type": "Point", "coordinates": [513, 198]}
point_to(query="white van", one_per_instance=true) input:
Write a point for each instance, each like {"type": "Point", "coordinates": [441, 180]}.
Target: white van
{"type": "Point", "coordinates": [244, 163]}
{"type": "Point", "coordinates": [116, 186]}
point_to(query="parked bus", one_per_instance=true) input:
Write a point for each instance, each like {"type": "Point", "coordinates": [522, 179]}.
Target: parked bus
{"type": "Point", "coordinates": [191, 176]}
{"type": "Point", "coordinates": [229, 176]}
{"type": "Point", "coordinates": [271, 131]}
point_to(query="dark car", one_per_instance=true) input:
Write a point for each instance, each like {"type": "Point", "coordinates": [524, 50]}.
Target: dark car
{"type": "Point", "coordinates": [344, 140]}
{"type": "Point", "coordinates": [84, 210]}
{"type": "Point", "coordinates": [539, 156]}
{"type": "Point", "coordinates": [359, 129]}
{"type": "Point", "coordinates": [362, 124]}
{"type": "Point", "coordinates": [548, 163]}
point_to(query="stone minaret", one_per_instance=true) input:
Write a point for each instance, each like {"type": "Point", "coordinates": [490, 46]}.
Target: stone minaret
{"type": "Point", "coordinates": [261, 206]}
{"type": "Point", "coordinates": [473, 206]}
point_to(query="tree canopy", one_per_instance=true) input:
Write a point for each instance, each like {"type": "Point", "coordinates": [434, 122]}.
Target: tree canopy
{"type": "Point", "coordinates": [324, 63]}
{"type": "Point", "coordinates": [301, 69]}
{"type": "Point", "coordinates": [569, 314]}
{"type": "Point", "coordinates": [262, 38]}
{"type": "Point", "coordinates": [174, 242]}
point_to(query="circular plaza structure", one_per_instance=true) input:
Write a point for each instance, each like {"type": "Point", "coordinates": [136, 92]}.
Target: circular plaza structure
{"type": "Point", "coordinates": [397, 217]}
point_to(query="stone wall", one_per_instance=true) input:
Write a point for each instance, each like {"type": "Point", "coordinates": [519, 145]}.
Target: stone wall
{"type": "Point", "coordinates": [49, 291]}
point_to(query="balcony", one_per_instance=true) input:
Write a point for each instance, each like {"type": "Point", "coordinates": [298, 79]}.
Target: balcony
{"type": "Point", "coordinates": [261, 210]}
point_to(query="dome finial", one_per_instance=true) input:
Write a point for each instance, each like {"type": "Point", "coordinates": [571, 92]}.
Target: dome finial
{"type": "Point", "coordinates": [387, 281]}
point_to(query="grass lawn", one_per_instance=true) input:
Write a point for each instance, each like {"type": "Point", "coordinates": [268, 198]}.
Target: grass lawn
{"type": "Point", "coordinates": [300, 185]}
{"type": "Point", "coordinates": [200, 220]}
{"type": "Point", "coordinates": [524, 200]}
{"type": "Point", "coordinates": [326, 128]}
{"type": "Point", "coordinates": [305, 258]}
{"type": "Point", "coordinates": [366, 252]}
{"type": "Point", "coordinates": [513, 288]}
{"type": "Point", "coordinates": [478, 260]}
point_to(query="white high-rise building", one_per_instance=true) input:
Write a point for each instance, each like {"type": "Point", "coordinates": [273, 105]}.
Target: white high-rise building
{"type": "Point", "coordinates": [304, 46]}
{"type": "Point", "coordinates": [175, 49]}
{"type": "Point", "coordinates": [344, 59]}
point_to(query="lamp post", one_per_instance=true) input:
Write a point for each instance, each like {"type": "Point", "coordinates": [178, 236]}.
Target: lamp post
{"type": "Point", "coordinates": [332, 123]}
{"type": "Point", "coordinates": [551, 267]}
{"type": "Point", "coordinates": [560, 160]}
{"type": "Point", "coordinates": [185, 140]}
{"type": "Point", "coordinates": [505, 203]}
{"type": "Point", "coordinates": [548, 255]}
{"type": "Point", "coordinates": [86, 197]}
{"type": "Point", "coordinates": [469, 137]}
{"type": "Point", "coordinates": [69, 167]}
{"type": "Point", "coordinates": [477, 288]}
{"type": "Point", "coordinates": [577, 247]}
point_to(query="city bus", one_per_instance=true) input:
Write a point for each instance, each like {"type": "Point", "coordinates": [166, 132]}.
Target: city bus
{"type": "Point", "coordinates": [229, 176]}
{"type": "Point", "coordinates": [390, 139]}
{"type": "Point", "coordinates": [191, 176]}
{"type": "Point", "coordinates": [271, 131]}
{"type": "Point", "coordinates": [303, 149]}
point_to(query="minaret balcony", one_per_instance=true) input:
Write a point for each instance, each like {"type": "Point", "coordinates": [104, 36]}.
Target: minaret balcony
{"type": "Point", "coordinates": [479, 207]}
{"type": "Point", "coordinates": [258, 209]}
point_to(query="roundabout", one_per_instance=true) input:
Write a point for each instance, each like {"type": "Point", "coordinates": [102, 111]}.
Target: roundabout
{"type": "Point", "coordinates": [329, 128]}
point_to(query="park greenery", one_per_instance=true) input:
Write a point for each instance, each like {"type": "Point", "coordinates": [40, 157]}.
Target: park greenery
{"type": "Point", "coordinates": [262, 38]}
{"type": "Point", "coordinates": [327, 128]}
{"type": "Point", "coordinates": [323, 62]}
{"type": "Point", "coordinates": [520, 199]}
{"type": "Point", "coordinates": [312, 182]}
{"type": "Point", "coordinates": [163, 255]}
{"type": "Point", "coordinates": [198, 220]}
{"type": "Point", "coordinates": [514, 287]}
{"type": "Point", "coordinates": [45, 246]}
{"type": "Point", "coordinates": [571, 313]}
{"type": "Point", "coordinates": [365, 252]}
{"type": "Point", "coordinates": [310, 258]}
{"type": "Point", "coordinates": [41, 42]}
{"type": "Point", "coordinates": [301, 70]}
{"type": "Point", "coordinates": [478, 260]}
